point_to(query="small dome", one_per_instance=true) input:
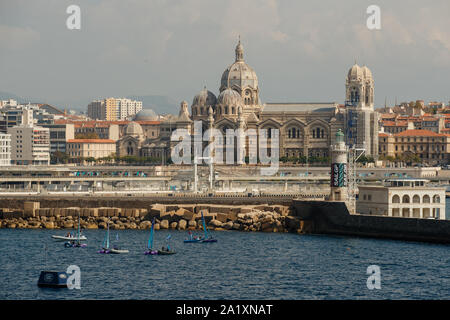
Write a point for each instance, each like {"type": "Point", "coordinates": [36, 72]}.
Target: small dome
{"type": "Point", "coordinates": [229, 97]}
{"type": "Point", "coordinates": [133, 129]}
{"type": "Point", "coordinates": [367, 73]}
{"type": "Point", "coordinates": [204, 98]}
{"type": "Point", "coordinates": [355, 72]}
{"type": "Point", "coordinates": [146, 115]}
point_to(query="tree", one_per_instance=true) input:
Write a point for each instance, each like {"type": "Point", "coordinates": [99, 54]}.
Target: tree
{"type": "Point", "coordinates": [59, 157]}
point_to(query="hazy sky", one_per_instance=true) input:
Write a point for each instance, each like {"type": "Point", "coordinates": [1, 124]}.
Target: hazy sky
{"type": "Point", "coordinates": [300, 50]}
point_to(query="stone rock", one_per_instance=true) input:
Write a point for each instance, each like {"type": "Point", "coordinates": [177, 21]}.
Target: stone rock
{"type": "Point", "coordinates": [236, 226]}
{"type": "Point", "coordinates": [145, 225]}
{"type": "Point", "coordinates": [192, 224]}
{"type": "Point", "coordinates": [173, 225]}
{"type": "Point", "coordinates": [222, 217]}
{"type": "Point", "coordinates": [12, 225]}
{"type": "Point", "coordinates": [102, 225]}
{"type": "Point", "coordinates": [157, 226]}
{"type": "Point", "coordinates": [228, 225]}
{"type": "Point", "coordinates": [92, 226]}
{"type": "Point", "coordinates": [182, 224]}
{"type": "Point", "coordinates": [49, 225]}
{"type": "Point", "coordinates": [68, 224]}
{"type": "Point", "coordinates": [164, 224]}
{"type": "Point", "coordinates": [215, 223]}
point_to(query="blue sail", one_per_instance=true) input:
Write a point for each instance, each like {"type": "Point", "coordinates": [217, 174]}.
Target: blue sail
{"type": "Point", "coordinates": [204, 226]}
{"type": "Point", "coordinates": [107, 237]}
{"type": "Point", "coordinates": [150, 239]}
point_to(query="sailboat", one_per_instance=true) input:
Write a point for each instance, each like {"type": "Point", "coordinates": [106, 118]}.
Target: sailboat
{"type": "Point", "coordinates": [106, 245]}
{"type": "Point", "coordinates": [77, 243]}
{"type": "Point", "coordinates": [208, 236]}
{"type": "Point", "coordinates": [70, 237]}
{"type": "Point", "coordinates": [167, 250]}
{"type": "Point", "coordinates": [150, 241]}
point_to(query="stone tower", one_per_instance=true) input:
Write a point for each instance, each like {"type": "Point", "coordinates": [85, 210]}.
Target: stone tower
{"type": "Point", "coordinates": [339, 169]}
{"type": "Point", "coordinates": [361, 121]}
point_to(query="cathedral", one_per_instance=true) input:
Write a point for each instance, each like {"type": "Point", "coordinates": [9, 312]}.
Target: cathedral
{"type": "Point", "coordinates": [305, 129]}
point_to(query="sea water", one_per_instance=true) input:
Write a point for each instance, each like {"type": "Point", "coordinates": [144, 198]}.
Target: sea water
{"type": "Point", "coordinates": [241, 265]}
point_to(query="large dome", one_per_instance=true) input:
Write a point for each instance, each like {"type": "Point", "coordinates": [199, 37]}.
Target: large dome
{"type": "Point", "coordinates": [204, 98]}
{"type": "Point", "coordinates": [133, 129]}
{"type": "Point", "coordinates": [146, 115]}
{"type": "Point", "coordinates": [239, 74]}
{"type": "Point", "coordinates": [229, 97]}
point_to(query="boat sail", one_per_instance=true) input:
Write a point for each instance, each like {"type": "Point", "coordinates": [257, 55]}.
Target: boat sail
{"type": "Point", "coordinates": [106, 245]}
{"type": "Point", "coordinates": [150, 241]}
{"type": "Point", "coordinates": [208, 236]}
{"type": "Point", "coordinates": [77, 243]}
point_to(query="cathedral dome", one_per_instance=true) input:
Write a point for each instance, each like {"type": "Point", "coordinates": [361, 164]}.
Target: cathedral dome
{"type": "Point", "coordinates": [146, 115]}
{"type": "Point", "coordinates": [133, 129]}
{"type": "Point", "coordinates": [355, 72]}
{"type": "Point", "coordinates": [367, 73]}
{"type": "Point", "coordinates": [239, 75]}
{"type": "Point", "coordinates": [229, 97]}
{"type": "Point", "coordinates": [204, 98]}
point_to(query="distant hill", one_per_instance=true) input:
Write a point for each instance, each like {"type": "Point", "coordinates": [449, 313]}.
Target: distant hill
{"type": "Point", "coordinates": [159, 104]}
{"type": "Point", "coordinates": [8, 95]}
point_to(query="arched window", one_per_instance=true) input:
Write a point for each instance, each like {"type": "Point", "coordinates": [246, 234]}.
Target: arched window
{"type": "Point", "coordinates": [226, 110]}
{"type": "Point", "coordinates": [426, 199]}
{"type": "Point", "coordinates": [405, 199]}
{"type": "Point", "coordinates": [201, 111]}
{"type": "Point", "coordinates": [416, 199]}
{"type": "Point", "coordinates": [395, 199]}
{"type": "Point", "coordinates": [436, 199]}
{"type": "Point", "coordinates": [232, 110]}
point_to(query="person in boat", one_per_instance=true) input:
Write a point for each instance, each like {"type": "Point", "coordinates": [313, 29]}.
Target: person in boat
{"type": "Point", "coordinates": [168, 247]}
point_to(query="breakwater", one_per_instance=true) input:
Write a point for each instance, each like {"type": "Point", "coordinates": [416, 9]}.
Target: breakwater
{"type": "Point", "coordinates": [262, 217]}
{"type": "Point", "coordinates": [327, 217]}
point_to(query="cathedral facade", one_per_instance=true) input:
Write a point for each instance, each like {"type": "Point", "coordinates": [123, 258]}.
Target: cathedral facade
{"type": "Point", "coordinates": [305, 129]}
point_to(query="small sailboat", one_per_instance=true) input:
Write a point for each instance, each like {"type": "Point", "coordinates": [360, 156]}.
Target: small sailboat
{"type": "Point", "coordinates": [167, 249]}
{"type": "Point", "coordinates": [106, 245]}
{"type": "Point", "coordinates": [70, 236]}
{"type": "Point", "coordinates": [76, 243]}
{"type": "Point", "coordinates": [192, 238]}
{"type": "Point", "coordinates": [150, 242]}
{"type": "Point", "coordinates": [208, 236]}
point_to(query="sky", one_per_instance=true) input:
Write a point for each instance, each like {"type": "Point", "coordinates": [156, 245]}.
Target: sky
{"type": "Point", "coordinates": [301, 50]}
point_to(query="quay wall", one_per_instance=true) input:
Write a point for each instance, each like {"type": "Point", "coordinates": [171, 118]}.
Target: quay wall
{"type": "Point", "coordinates": [334, 218]}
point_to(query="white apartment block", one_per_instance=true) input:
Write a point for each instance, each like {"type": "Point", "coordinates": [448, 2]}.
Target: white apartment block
{"type": "Point", "coordinates": [113, 109]}
{"type": "Point", "coordinates": [5, 149]}
{"type": "Point", "coordinates": [30, 145]}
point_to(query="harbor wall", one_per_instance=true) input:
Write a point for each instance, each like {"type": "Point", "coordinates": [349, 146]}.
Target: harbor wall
{"type": "Point", "coordinates": [327, 217]}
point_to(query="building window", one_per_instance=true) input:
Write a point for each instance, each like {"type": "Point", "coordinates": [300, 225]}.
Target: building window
{"type": "Point", "coordinates": [405, 199]}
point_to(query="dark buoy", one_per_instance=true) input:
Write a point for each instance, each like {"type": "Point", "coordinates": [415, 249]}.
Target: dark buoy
{"type": "Point", "coordinates": [52, 279]}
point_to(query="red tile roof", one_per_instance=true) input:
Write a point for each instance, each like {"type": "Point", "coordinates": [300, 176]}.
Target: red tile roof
{"type": "Point", "coordinates": [418, 133]}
